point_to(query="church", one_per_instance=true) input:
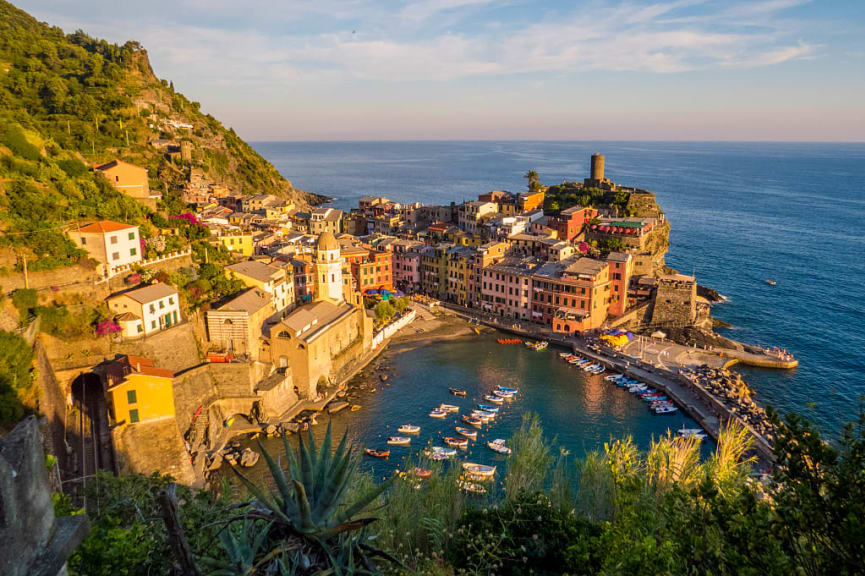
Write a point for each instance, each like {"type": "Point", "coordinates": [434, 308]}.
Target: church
{"type": "Point", "coordinates": [318, 341]}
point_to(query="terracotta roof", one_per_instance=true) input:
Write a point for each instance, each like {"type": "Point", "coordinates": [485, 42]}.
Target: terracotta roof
{"type": "Point", "coordinates": [148, 293]}
{"type": "Point", "coordinates": [104, 226]}
{"type": "Point", "coordinates": [119, 369]}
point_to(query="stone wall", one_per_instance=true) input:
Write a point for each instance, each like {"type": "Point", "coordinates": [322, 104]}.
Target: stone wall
{"type": "Point", "coordinates": [155, 446]}
{"type": "Point", "coordinates": [71, 280]}
{"type": "Point", "coordinates": [675, 303]}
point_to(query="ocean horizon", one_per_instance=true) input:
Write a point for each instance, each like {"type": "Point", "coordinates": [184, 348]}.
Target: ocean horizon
{"type": "Point", "coordinates": [741, 213]}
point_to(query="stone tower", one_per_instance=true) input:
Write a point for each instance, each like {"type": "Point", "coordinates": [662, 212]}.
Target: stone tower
{"type": "Point", "coordinates": [328, 269]}
{"type": "Point", "coordinates": [597, 167]}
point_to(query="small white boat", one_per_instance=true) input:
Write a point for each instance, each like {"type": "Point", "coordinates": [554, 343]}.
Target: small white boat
{"type": "Point", "coordinates": [482, 416]}
{"type": "Point", "coordinates": [488, 408]}
{"type": "Point", "coordinates": [449, 408]}
{"type": "Point", "coordinates": [471, 487]}
{"type": "Point", "coordinates": [467, 432]}
{"type": "Point", "coordinates": [494, 399]}
{"type": "Point", "coordinates": [438, 413]}
{"type": "Point", "coordinates": [499, 445]}
{"type": "Point", "coordinates": [503, 394]}
{"type": "Point", "coordinates": [479, 469]}
{"type": "Point", "coordinates": [399, 440]}
{"type": "Point", "coordinates": [506, 389]}
{"type": "Point", "coordinates": [440, 453]}
{"type": "Point", "coordinates": [689, 431]}
{"type": "Point", "coordinates": [408, 429]}
{"type": "Point", "coordinates": [665, 409]}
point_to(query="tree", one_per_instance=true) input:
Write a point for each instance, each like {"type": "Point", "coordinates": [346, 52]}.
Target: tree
{"type": "Point", "coordinates": [532, 177]}
{"type": "Point", "coordinates": [384, 311]}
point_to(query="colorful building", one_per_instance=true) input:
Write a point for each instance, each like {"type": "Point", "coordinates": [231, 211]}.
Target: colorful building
{"type": "Point", "coordinates": [131, 180]}
{"type": "Point", "coordinates": [528, 201]}
{"type": "Point", "coordinates": [112, 244]}
{"type": "Point", "coordinates": [569, 223]}
{"type": "Point", "coordinates": [272, 279]}
{"type": "Point", "coordinates": [506, 287]}
{"type": "Point", "coordinates": [621, 272]}
{"type": "Point", "coordinates": [459, 263]}
{"type": "Point", "coordinates": [237, 242]}
{"type": "Point", "coordinates": [572, 295]}
{"type": "Point", "coordinates": [146, 310]}
{"type": "Point", "coordinates": [137, 391]}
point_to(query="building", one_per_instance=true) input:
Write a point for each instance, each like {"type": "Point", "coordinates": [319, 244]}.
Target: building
{"type": "Point", "coordinates": [459, 263]}
{"type": "Point", "coordinates": [406, 264]}
{"type": "Point", "coordinates": [371, 269]}
{"type": "Point", "coordinates": [572, 295]}
{"type": "Point", "coordinates": [506, 201]}
{"type": "Point", "coordinates": [325, 220]}
{"type": "Point", "coordinates": [272, 279]}
{"type": "Point", "coordinates": [529, 201]}
{"type": "Point", "coordinates": [629, 234]}
{"type": "Point", "coordinates": [137, 391]}
{"type": "Point", "coordinates": [506, 287]}
{"type": "Point", "coordinates": [484, 255]}
{"type": "Point", "coordinates": [237, 242]}
{"type": "Point", "coordinates": [470, 213]}
{"type": "Point", "coordinates": [144, 311]}
{"type": "Point", "coordinates": [238, 325]}
{"type": "Point", "coordinates": [434, 270]}
{"type": "Point", "coordinates": [131, 180]}
{"type": "Point", "coordinates": [112, 244]}
{"type": "Point", "coordinates": [327, 269]}
{"type": "Point", "coordinates": [621, 272]}
{"type": "Point", "coordinates": [258, 203]}
{"type": "Point", "coordinates": [569, 223]}
{"type": "Point", "coordinates": [675, 301]}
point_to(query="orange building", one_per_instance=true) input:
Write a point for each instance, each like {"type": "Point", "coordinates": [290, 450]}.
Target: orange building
{"type": "Point", "coordinates": [621, 270]}
{"type": "Point", "coordinates": [371, 269]}
{"type": "Point", "coordinates": [572, 295]}
{"type": "Point", "coordinates": [129, 179]}
{"type": "Point", "coordinates": [528, 201]}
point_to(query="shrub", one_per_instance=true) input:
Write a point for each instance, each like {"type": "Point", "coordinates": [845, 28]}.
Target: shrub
{"type": "Point", "coordinates": [24, 299]}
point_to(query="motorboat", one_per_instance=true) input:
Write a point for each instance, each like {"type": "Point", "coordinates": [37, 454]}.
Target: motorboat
{"type": "Point", "coordinates": [438, 413]}
{"type": "Point", "coordinates": [499, 445]}
{"type": "Point", "coordinates": [377, 453]}
{"type": "Point", "coordinates": [479, 469]}
{"type": "Point", "coordinates": [440, 452]}
{"type": "Point", "coordinates": [467, 432]}
{"type": "Point", "coordinates": [399, 440]}
{"type": "Point", "coordinates": [503, 394]}
{"type": "Point", "coordinates": [408, 429]}
{"type": "Point", "coordinates": [457, 391]}
{"type": "Point", "coordinates": [449, 408]}
{"type": "Point", "coordinates": [494, 399]}
{"type": "Point", "coordinates": [506, 389]}
{"type": "Point", "coordinates": [473, 421]}
{"type": "Point", "coordinates": [456, 442]}
{"type": "Point", "coordinates": [488, 408]}
{"type": "Point", "coordinates": [483, 415]}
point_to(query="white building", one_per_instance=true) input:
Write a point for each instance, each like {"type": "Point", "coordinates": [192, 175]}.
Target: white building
{"type": "Point", "coordinates": [144, 311]}
{"type": "Point", "coordinates": [112, 244]}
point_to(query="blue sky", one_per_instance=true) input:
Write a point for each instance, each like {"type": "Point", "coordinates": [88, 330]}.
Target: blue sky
{"type": "Point", "coordinates": [513, 69]}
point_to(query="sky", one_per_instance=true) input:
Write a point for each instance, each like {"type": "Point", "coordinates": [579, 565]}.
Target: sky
{"type": "Point", "coordinates": [279, 70]}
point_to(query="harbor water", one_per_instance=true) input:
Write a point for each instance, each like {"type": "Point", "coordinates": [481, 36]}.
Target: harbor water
{"type": "Point", "coordinates": [741, 214]}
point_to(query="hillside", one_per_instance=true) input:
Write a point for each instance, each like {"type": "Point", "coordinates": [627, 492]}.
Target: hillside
{"type": "Point", "coordinates": [68, 102]}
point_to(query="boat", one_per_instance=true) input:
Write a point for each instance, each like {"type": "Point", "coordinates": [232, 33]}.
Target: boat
{"type": "Point", "coordinates": [611, 377]}
{"type": "Point", "coordinates": [479, 469]}
{"type": "Point", "coordinates": [540, 346]}
{"type": "Point", "coordinates": [457, 391]}
{"type": "Point", "coordinates": [494, 399]}
{"type": "Point", "coordinates": [771, 282]}
{"type": "Point", "coordinates": [449, 408]}
{"type": "Point", "coordinates": [499, 445]}
{"type": "Point", "coordinates": [438, 413]}
{"type": "Point", "coordinates": [421, 472]}
{"type": "Point", "coordinates": [456, 442]}
{"type": "Point", "coordinates": [503, 394]}
{"type": "Point", "coordinates": [408, 429]}
{"type": "Point", "coordinates": [565, 355]}
{"type": "Point", "coordinates": [399, 440]}
{"type": "Point", "coordinates": [506, 389]}
{"type": "Point", "coordinates": [355, 407]}
{"type": "Point", "coordinates": [509, 341]}
{"type": "Point", "coordinates": [440, 453]}
{"type": "Point", "coordinates": [665, 409]}
{"type": "Point", "coordinates": [689, 431]}
{"type": "Point", "coordinates": [472, 421]}
{"type": "Point", "coordinates": [471, 487]}
{"type": "Point", "coordinates": [599, 370]}
{"type": "Point", "coordinates": [467, 432]}
{"type": "Point", "coordinates": [488, 408]}
{"type": "Point", "coordinates": [377, 453]}
{"type": "Point", "coordinates": [530, 343]}
{"type": "Point", "coordinates": [483, 414]}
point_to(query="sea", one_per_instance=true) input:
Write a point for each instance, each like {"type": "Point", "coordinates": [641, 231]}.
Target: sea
{"type": "Point", "coordinates": [740, 213]}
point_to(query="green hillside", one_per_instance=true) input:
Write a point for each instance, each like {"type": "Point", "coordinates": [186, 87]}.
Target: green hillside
{"type": "Point", "coordinates": [69, 101]}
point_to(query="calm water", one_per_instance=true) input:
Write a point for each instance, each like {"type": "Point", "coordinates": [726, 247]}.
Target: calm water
{"type": "Point", "coordinates": [582, 411]}
{"type": "Point", "coordinates": [741, 213]}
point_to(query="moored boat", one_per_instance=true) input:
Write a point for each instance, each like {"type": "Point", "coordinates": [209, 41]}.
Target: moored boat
{"type": "Point", "coordinates": [440, 453]}
{"type": "Point", "coordinates": [377, 453]}
{"type": "Point", "coordinates": [506, 389]}
{"type": "Point", "coordinates": [449, 408]}
{"type": "Point", "coordinates": [494, 399]}
{"type": "Point", "coordinates": [408, 429]}
{"type": "Point", "coordinates": [499, 445]}
{"type": "Point", "coordinates": [488, 408]}
{"type": "Point", "coordinates": [399, 440]}
{"type": "Point", "coordinates": [472, 421]}
{"type": "Point", "coordinates": [457, 391]}
{"type": "Point", "coordinates": [503, 394]}
{"type": "Point", "coordinates": [355, 407]}
{"type": "Point", "coordinates": [438, 413]}
{"type": "Point", "coordinates": [456, 442]}
{"type": "Point", "coordinates": [479, 469]}
{"type": "Point", "coordinates": [471, 487]}
{"type": "Point", "coordinates": [467, 432]}
{"type": "Point", "coordinates": [421, 472]}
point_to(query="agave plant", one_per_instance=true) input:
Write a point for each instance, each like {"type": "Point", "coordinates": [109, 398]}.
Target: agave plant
{"type": "Point", "coordinates": [307, 506]}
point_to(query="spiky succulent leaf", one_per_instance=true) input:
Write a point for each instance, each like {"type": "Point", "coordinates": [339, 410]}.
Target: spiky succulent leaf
{"type": "Point", "coordinates": [322, 466]}
{"type": "Point", "coordinates": [365, 501]}
{"type": "Point", "coordinates": [306, 523]}
{"type": "Point", "coordinates": [306, 466]}
{"type": "Point", "coordinates": [261, 496]}
{"type": "Point", "coordinates": [278, 476]}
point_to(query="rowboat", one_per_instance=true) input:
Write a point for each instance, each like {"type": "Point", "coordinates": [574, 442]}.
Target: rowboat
{"type": "Point", "coordinates": [457, 391]}
{"type": "Point", "coordinates": [467, 432]}
{"type": "Point", "coordinates": [540, 346]}
{"type": "Point", "coordinates": [449, 408]}
{"type": "Point", "coordinates": [494, 399]}
{"type": "Point", "coordinates": [503, 394]}
{"type": "Point", "coordinates": [506, 389]}
{"type": "Point", "coordinates": [440, 453]}
{"type": "Point", "coordinates": [456, 442]}
{"type": "Point", "coordinates": [479, 469]}
{"type": "Point", "coordinates": [377, 453]}
{"type": "Point", "coordinates": [499, 445]}
{"type": "Point", "coordinates": [483, 416]}
{"type": "Point", "coordinates": [438, 413]}
{"type": "Point", "coordinates": [421, 472]}
{"type": "Point", "coordinates": [472, 421]}
{"type": "Point", "coordinates": [665, 409]}
{"type": "Point", "coordinates": [399, 440]}
{"type": "Point", "coordinates": [488, 408]}
{"type": "Point", "coordinates": [408, 429]}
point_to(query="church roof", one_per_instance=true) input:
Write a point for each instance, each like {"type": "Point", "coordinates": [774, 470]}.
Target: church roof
{"type": "Point", "coordinates": [327, 241]}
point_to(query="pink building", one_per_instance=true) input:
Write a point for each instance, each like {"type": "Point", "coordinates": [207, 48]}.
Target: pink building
{"type": "Point", "coordinates": [506, 287]}
{"type": "Point", "coordinates": [406, 264]}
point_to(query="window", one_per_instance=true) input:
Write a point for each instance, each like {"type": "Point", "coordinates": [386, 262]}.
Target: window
{"type": "Point", "coordinates": [114, 239]}
{"type": "Point", "coordinates": [153, 324]}
{"type": "Point", "coordinates": [132, 235]}
{"type": "Point", "coordinates": [171, 299]}
{"type": "Point", "coordinates": [140, 328]}
{"type": "Point", "coordinates": [83, 241]}
{"type": "Point", "coordinates": [133, 416]}
{"type": "Point", "coordinates": [161, 304]}
{"type": "Point", "coordinates": [133, 251]}
{"type": "Point", "coordinates": [115, 256]}
{"type": "Point", "coordinates": [130, 397]}
{"type": "Point", "coordinates": [152, 308]}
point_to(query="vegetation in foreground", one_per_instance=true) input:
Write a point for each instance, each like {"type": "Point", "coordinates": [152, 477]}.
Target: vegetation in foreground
{"type": "Point", "coordinates": [613, 512]}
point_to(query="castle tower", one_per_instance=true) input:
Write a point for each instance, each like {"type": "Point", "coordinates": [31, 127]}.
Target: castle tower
{"type": "Point", "coordinates": [597, 167]}
{"type": "Point", "coordinates": [328, 269]}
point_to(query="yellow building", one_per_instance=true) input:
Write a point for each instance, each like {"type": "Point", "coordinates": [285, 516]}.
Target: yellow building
{"type": "Point", "coordinates": [239, 243]}
{"type": "Point", "coordinates": [131, 180]}
{"type": "Point", "coordinates": [137, 391]}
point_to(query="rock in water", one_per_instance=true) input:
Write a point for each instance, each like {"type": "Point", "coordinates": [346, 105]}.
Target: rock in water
{"type": "Point", "coordinates": [248, 458]}
{"type": "Point", "coordinates": [216, 462]}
